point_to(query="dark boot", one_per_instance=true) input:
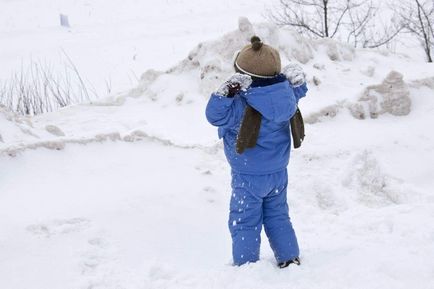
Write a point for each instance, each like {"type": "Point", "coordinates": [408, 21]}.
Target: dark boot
{"type": "Point", "coordinates": [285, 264]}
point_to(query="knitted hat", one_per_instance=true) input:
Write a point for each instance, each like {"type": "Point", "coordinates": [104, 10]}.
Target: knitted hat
{"type": "Point", "coordinates": [258, 59]}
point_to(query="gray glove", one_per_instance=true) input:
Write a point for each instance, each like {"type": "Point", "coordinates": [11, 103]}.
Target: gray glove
{"type": "Point", "coordinates": [235, 84]}
{"type": "Point", "coordinates": [295, 74]}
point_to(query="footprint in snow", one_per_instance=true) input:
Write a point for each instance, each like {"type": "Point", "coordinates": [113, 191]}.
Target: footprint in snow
{"type": "Point", "coordinates": [59, 227]}
{"type": "Point", "coordinates": [98, 265]}
{"type": "Point", "coordinates": [94, 256]}
{"type": "Point", "coordinates": [210, 193]}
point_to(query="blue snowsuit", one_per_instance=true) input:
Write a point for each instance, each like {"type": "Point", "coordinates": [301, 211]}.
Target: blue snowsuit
{"type": "Point", "coordinates": [259, 175]}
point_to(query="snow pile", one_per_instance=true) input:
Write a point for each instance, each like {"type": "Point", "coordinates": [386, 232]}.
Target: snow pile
{"type": "Point", "coordinates": [210, 63]}
{"type": "Point", "coordinates": [165, 103]}
{"type": "Point", "coordinates": [14, 128]}
{"type": "Point", "coordinates": [332, 67]}
{"type": "Point", "coordinates": [391, 96]}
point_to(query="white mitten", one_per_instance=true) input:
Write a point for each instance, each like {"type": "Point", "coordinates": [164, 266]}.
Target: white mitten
{"type": "Point", "coordinates": [295, 74]}
{"type": "Point", "coordinates": [235, 84]}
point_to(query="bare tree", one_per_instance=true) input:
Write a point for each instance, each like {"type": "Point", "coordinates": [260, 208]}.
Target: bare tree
{"type": "Point", "coordinates": [353, 20]}
{"type": "Point", "coordinates": [418, 19]}
{"type": "Point", "coordinates": [366, 27]}
{"type": "Point", "coordinates": [318, 18]}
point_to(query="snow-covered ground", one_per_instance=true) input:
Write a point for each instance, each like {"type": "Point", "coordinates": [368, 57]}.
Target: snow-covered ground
{"type": "Point", "coordinates": [132, 190]}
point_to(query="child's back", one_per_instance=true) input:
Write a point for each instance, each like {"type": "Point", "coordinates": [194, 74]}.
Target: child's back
{"type": "Point", "coordinates": [252, 112]}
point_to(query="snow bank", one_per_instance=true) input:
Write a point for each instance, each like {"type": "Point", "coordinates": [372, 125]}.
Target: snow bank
{"type": "Point", "coordinates": [211, 62]}
{"type": "Point", "coordinates": [332, 67]}
{"type": "Point", "coordinates": [15, 128]}
{"type": "Point", "coordinates": [165, 103]}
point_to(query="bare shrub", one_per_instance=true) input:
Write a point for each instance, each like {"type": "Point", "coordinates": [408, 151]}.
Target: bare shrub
{"type": "Point", "coordinates": [39, 88]}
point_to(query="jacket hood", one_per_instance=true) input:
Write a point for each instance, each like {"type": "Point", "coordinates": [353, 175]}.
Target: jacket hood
{"type": "Point", "coordinates": [274, 102]}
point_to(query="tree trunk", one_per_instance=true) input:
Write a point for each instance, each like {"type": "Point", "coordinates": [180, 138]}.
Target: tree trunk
{"type": "Point", "coordinates": [326, 22]}
{"type": "Point", "coordinates": [428, 54]}
{"type": "Point", "coordinates": [424, 32]}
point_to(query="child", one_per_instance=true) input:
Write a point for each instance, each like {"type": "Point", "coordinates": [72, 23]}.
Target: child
{"type": "Point", "coordinates": [252, 112]}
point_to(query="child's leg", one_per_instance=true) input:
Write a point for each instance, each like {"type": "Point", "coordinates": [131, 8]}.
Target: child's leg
{"type": "Point", "coordinates": [245, 223]}
{"type": "Point", "coordinates": [277, 223]}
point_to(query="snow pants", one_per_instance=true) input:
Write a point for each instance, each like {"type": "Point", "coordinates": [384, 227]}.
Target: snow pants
{"type": "Point", "coordinates": [260, 200]}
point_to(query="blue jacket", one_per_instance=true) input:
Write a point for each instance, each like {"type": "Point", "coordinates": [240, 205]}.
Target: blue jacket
{"type": "Point", "coordinates": [276, 103]}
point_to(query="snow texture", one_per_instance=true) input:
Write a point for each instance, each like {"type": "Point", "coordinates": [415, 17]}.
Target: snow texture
{"type": "Point", "coordinates": [132, 190]}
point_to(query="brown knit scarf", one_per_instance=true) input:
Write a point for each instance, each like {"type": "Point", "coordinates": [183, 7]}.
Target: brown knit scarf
{"type": "Point", "coordinates": [249, 129]}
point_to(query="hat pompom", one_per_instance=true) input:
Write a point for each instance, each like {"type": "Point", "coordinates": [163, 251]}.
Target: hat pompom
{"type": "Point", "coordinates": [256, 43]}
{"type": "Point", "coordinates": [258, 59]}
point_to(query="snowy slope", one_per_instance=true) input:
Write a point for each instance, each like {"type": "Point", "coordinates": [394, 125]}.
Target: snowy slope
{"type": "Point", "coordinates": [132, 191]}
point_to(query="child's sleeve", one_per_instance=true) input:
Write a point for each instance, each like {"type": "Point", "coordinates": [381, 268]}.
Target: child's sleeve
{"type": "Point", "coordinates": [300, 91]}
{"type": "Point", "coordinates": [223, 112]}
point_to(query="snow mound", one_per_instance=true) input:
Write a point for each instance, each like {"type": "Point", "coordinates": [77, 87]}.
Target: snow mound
{"type": "Point", "coordinates": [333, 69]}
{"type": "Point", "coordinates": [391, 96]}
{"type": "Point", "coordinates": [211, 62]}
{"type": "Point", "coordinates": [165, 103]}
{"type": "Point", "coordinates": [14, 127]}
